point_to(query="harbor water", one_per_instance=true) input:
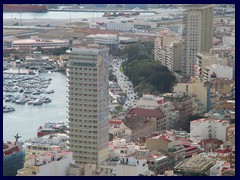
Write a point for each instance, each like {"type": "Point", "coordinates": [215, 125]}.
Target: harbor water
{"type": "Point", "coordinates": [26, 118]}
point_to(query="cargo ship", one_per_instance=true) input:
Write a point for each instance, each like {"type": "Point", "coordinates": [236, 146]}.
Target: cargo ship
{"type": "Point", "coordinates": [13, 157]}
{"type": "Point", "coordinates": [24, 8]}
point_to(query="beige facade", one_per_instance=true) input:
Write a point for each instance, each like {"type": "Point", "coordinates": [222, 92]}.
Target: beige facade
{"type": "Point", "coordinates": [88, 109]}
{"type": "Point", "coordinates": [176, 49]}
{"type": "Point", "coordinates": [232, 158]}
{"type": "Point", "coordinates": [196, 89]}
{"type": "Point", "coordinates": [203, 60]}
{"type": "Point", "coordinates": [230, 134]}
{"type": "Point", "coordinates": [155, 144]}
{"type": "Point", "coordinates": [197, 34]}
{"type": "Point", "coordinates": [222, 86]}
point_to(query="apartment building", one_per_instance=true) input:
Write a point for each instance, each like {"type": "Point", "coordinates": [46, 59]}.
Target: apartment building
{"type": "Point", "coordinates": [49, 163]}
{"type": "Point", "coordinates": [208, 128]}
{"type": "Point", "coordinates": [197, 34]}
{"type": "Point", "coordinates": [87, 104]}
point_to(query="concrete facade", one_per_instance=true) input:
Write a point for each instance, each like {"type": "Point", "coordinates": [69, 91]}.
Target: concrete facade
{"type": "Point", "coordinates": [197, 34]}
{"type": "Point", "coordinates": [88, 109]}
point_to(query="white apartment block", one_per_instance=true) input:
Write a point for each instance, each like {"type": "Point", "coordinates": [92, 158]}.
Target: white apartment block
{"type": "Point", "coordinates": [87, 105]}
{"type": "Point", "coordinates": [197, 34]}
{"type": "Point", "coordinates": [49, 163]}
{"type": "Point", "coordinates": [131, 166]}
{"type": "Point", "coordinates": [220, 71]}
{"type": "Point", "coordinates": [208, 128]}
{"type": "Point", "coordinates": [118, 26]}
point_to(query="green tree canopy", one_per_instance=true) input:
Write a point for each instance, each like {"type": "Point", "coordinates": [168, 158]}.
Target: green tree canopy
{"type": "Point", "coordinates": [146, 74]}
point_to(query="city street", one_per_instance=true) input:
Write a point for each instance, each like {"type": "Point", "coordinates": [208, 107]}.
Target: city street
{"type": "Point", "coordinates": [125, 84]}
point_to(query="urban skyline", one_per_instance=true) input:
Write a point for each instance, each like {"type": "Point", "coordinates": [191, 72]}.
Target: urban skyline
{"type": "Point", "coordinates": [119, 89]}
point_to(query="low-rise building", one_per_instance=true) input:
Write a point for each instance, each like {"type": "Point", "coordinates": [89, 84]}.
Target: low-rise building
{"type": "Point", "coordinates": [154, 115]}
{"type": "Point", "coordinates": [119, 147]}
{"type": "Point", "coordinates": [167, 143]}
{"type": "Point", "coordinates": [134, 123]}
{"type": "Point", "coordinates": [82, 170]}
{"type": "Point", "coordinates": [198, 164]}
{"type": "Point", "coordinates": [210, 145]}
{"type": "Point", "coordinates": [47, 143]}
{"type": "Point", "coordinates": [216, 170]}
{"type": "Point", "coordinates": [118, 26]}
{"type": "Point", "coordinates": [107, 39]}
{"type": "Point", "coordinates": [158, 163]}
{"type": "Point", "coordinates": [132, 166]}
{"type": "Point", "coordinates": [171, 115]}
{"type": "Point", "coordinates": [118, 129]}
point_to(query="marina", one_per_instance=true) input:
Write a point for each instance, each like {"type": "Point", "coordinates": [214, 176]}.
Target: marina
{"type": "Point", "coordinates": [53, 108]}
{"type": "Point", "coordinates": [22, 89]}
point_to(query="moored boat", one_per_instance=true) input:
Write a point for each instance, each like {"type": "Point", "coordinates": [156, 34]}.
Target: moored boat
{"type": "Point", "coordinates": [37, 102]}
{"type": "Point", "coordinates": [8, 109]}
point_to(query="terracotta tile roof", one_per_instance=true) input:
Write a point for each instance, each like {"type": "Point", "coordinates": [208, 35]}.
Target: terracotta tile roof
{"type": "Point", "coordinates": [214, 141]}
{"type": "Point", "coordinates": [115, 121]}
{"type": "Point", "coordinates": [223, 151]}
{"type": "Point", "coordinates": [146, 112]}
{"type": "Point", "coordinates": [161, 101]}
{"type": "Point", "coordinates": [165, 139]}
{"type": "Point", "coordinates": [196, 151]}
